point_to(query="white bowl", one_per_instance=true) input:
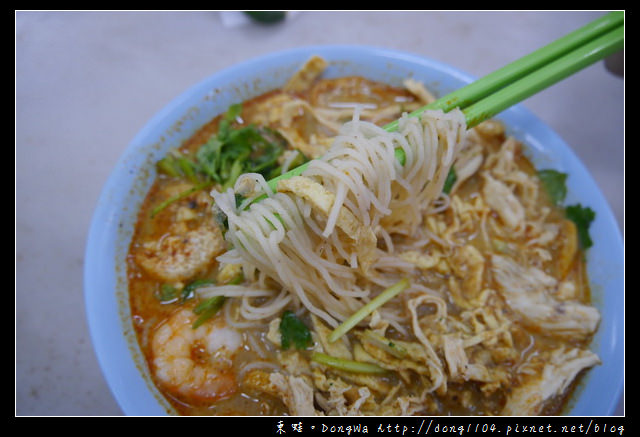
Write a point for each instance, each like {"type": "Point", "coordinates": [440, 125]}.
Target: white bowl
{"type": "Point", "coordinates": [105, 280]}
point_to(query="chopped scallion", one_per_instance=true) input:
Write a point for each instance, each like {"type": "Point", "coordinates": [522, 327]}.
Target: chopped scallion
{"type": "Point", "coordinates": [451, 179]}
{"type": "Point", "coordinates": [189, 290]}
{"type": "Point", "coordinates": [347, 365]}
{"type": "Point", "coordinates": [368, 308]}
{"type": "Point", "coordinates": [207, 309]}
{"type": "Point", "coordinates": [384, 343]}
{"type": "Point", "coordinates": [167, 293]}
{"type": "Point", "coordinates": [179, 196]}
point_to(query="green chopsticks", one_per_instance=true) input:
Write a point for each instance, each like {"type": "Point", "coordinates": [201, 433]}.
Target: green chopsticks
{"type": "Point", "coordinates": [531, 63]}
{"type": "Point", "coordinates": [522, 78]}
{"type": "Point", "coordinates": [545, 76]}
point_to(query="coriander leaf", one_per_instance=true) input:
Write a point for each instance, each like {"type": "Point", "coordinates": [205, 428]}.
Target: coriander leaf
{"type": "Point", "coordinates": [176, 165]}
{"type": "Point", "coordinates": [554, 183]}
{"type": "Point", "coordinates": [208, 158]}
{"type": "Point", "coordinates": [168, 166]}
{"type": "Point", "coordinates": [233, 150]}
{"type": "Point", "coordinates": [294, 330]}
{"type": "Point", "coordinates": [233, 112]}
{"type": "Point", "coordinates": [188, 169]}
{"type": "Point", "coordinates": [582, 217]}
{"type": "Point", "coordinates": [450, 180]}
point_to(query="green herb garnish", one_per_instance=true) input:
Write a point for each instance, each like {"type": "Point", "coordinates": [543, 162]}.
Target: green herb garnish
{"type": "Point", "coordinates": [400, 156]}
{"type": "Point", "coordinates": [189, 290]}
{"type": "Point", "coordinates": [450, 180]}
{"type": "Point", "coordinates": [347, 365]}
{"type": "Point", "coordinates": [207, 309]}
{"type": "Point", "coordinates": [232, 151]}
{"type": "Point", "coordinates": [167, 293]}
{"type": "Point", "coordinates": [186, 193]}
{"type": "Point", "coordinates": [554, 183]}
{"type": "Point", "coordinates": [395, 349]}
{"type": "Point", "coordinates": [210, 307]}
{"type": "Point", "coordinates": [177, 165]}
{"type": "Point", "coordinates": [368, 308]}
{"type": "Point", "coordinates": [582, 217]}
{"type": "Point", "coordinates": [293, 330]}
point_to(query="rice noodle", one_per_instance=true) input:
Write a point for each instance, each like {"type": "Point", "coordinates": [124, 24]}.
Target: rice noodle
{"type": "Point", "coordinates": [310, 252]}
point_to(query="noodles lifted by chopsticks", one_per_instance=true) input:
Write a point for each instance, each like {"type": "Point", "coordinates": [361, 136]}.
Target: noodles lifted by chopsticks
{"type": "Point", "coordinates": [317, 236]}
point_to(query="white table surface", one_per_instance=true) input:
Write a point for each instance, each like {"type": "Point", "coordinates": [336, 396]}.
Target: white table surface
{"type": "Point", "coordinates": [86, 82]}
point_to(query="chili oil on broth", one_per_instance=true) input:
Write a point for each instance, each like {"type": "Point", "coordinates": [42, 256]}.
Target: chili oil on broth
{"type": "Point", "coordinates": [150, 312]}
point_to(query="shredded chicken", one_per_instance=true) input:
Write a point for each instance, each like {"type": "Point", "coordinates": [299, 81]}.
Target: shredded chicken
{"type": "Point", "coordinates": [468, 162]}
{"type": "Point", "coordinates": [433, 361]}
{"type": "Point", "coordinates": [561, 368]}
{"type": "Point", "coordinates": [529, 292]}
{"type": "Point", "coordinates": [341, 398]}
{"type": "Point", "coordinates": [295, 392]}
{"type": "Point", "coordinates": [468, 265]}
{"type": "Point", "coordinates": [502, 200]}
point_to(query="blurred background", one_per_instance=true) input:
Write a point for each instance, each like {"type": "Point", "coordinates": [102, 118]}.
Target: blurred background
{"type": "Point", "coordinates": [87, 82]}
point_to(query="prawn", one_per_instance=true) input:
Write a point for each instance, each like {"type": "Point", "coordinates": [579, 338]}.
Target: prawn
{"type": "Point", "coordinates": [195, 364]}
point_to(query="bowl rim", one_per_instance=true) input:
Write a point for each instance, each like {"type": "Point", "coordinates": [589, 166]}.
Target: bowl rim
{"type": "Point", "coordinates": [100, 307]}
